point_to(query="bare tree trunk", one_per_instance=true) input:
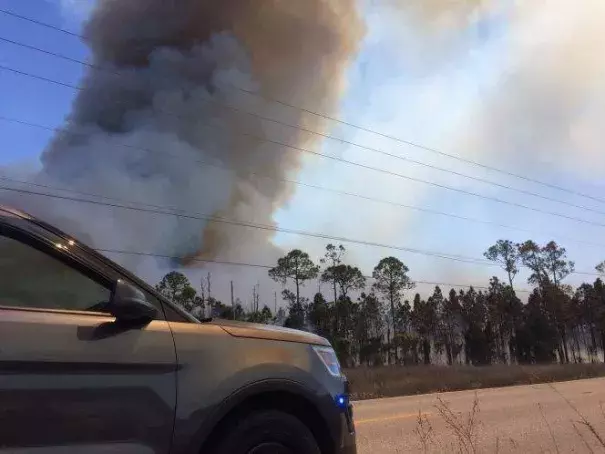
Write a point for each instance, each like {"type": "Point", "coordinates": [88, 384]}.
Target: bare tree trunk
{"type": "Point", "coordinates": [564, 342]}
{"type": "Point", "coordinates": [512, 343]}
{"type": "Point", "coordinates": [575, 347]}
{"type": "Point", "coordinates": [392, 301]}
{"type": "Point", "coordinates": [208, 280]}
{"type": "Point", "coordinates": [593, 338]}
{"type": "Point", "coordinates": [426, 351]}
{"type": "Point", "coordinates": [232, 305]}
{"type": "Point", "coordinates": [297, 292]}
{"type": "Point", "coordinates": [388, 345]}
{"type": "Point", "coordinates": [448, 350]}
{"type": "Point", "coordinates": [336, 318]}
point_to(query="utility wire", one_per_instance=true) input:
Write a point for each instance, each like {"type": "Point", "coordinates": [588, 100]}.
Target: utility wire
{"type": "Point", "coordinates": [345, 161]}
{"type": "Point", "coordinates": [203, 163]}
{"type": "Point", "coordinates": [161, 207]}
{"type": "Point", "coordinates": [326, 136]}
{"type": "Point", "coordinates": [42, 24]}
{"type": "Point", "coordinates": [45, 79]}
{"type": "Point", "coordinates": [327, 117]}
{"type": "Point", "coordinates": [406, 142]}
{"type": "Point", "coordinates": [177, 212]}
{"type": "Point", "coordinates": [257, 265]}
{"type": "Point", "coordinates": [432, 150]}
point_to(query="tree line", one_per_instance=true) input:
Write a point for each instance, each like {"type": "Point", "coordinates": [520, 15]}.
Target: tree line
{"type": "Point", "coordinates": [377, 319]}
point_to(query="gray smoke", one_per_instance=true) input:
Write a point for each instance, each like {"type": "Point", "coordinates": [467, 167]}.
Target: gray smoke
{"type": "Point", "coordinates": [140, 127]}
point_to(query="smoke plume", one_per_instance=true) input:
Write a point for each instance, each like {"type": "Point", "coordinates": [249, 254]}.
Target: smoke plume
{"type": "Point", "coordinates": [140, 126]}
{"type": "Point", "coordinates": [548, 106]}
{"type": "Point", "coordinates": [545, 103]}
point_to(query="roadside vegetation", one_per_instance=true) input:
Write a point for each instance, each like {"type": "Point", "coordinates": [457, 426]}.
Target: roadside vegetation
{"type": "Point", "coordinates": [390, 381]}
{"type": "Point", "coordinates": [463, 428]}
{"type": "Point", "coordinates": [454, 339]}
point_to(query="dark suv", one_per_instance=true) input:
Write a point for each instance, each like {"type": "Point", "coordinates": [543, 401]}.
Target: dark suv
{"type": "Point", "coordinates": [93, 360]}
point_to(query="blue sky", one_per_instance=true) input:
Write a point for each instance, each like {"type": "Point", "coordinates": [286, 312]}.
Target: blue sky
{"type": "Point", "coordinates": [27, 98]}
{"type": "Point", "coordinates": [403, 83]}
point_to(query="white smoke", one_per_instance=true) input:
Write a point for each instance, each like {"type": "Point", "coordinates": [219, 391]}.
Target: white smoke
{"type": "Point", "coordinates": [549, 104]}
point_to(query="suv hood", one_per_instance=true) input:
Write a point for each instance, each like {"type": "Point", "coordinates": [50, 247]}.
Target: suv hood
{"type": "Point", "coordinates": [269, 332]}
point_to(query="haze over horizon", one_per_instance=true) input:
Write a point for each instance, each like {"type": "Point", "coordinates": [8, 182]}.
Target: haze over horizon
{"type": "Point", "coordinates": [503, 83]}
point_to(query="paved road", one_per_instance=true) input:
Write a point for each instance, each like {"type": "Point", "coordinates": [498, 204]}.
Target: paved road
{"type": "Point", "coordinates": [525, 419]}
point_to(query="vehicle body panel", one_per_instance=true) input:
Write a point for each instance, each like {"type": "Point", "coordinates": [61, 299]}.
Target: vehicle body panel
{"type": "Point", "coordinates": [217, 371]}
{"type": "Point", "coordinates": [269, 332]}
{"type": "Point", "coordinates": [73, 380]}
{"type": "Point", "coordinates": [77, 381]}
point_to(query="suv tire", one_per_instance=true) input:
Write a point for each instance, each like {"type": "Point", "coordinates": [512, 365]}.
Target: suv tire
{"type": "Point", "coordinates": [268, 432]}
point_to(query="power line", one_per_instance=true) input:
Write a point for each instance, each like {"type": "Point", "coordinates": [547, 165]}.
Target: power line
{"type": "Point", "coordinates": [232, 263]}
{"type": "Point", "coordinates": [285, 180]}
{"type": "Point", "coordinates": [35, 76]}
{"type": "Point", "coordinates": [340, 140]}
{"type": "Point", "coordinates": [42, 24]}
{"type": "Point", "coordinates": [338, 120]}
{"type": "Point", "coordinates": [426, 148]}
{"type": "Point", "coordinates": [326, 136]}
{"type": "Point", "coordinates": [257, 265]}
{"type": "Point", "coordinates": [345, 161]}
{"type": "Point", "coordinates": [55, 54]}
{"type": "Point", "coordinates": [177, 212]}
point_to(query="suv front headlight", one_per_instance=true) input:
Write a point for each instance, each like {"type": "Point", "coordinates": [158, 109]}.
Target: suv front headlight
{"type": "Point", "coordinates": [329, 358]}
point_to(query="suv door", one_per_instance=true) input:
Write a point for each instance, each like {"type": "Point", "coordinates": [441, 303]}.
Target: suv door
{"type": "Point", "coordinates": [72, 380]}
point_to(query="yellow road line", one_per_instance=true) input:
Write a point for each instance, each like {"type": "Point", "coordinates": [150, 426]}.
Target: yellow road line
{"type": "Point", "coordinates": [389, 418]}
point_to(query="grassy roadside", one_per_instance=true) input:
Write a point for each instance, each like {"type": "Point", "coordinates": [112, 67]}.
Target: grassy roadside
{"type": "Point", "coordinates": [390, 381]}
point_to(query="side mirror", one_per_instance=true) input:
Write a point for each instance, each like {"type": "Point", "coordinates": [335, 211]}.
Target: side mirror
{"type": "Point", "coordinates": [128, 304]}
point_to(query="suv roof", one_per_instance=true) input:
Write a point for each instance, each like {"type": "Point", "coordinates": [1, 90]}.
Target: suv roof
{"type": "Point", "coordinates": [12, 212]}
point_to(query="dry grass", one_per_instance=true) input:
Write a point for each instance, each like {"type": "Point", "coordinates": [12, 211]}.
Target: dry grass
{"type": "Point", "coordinates": [388, 381]}
{"type": "Point", "coordinates": [583, 421]}
{"type": "Point", "coordinates": [463, 429]}
{"type": "Point", "coordinates": [424, 431]}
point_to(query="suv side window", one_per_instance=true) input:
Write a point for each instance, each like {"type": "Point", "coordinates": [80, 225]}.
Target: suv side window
{"type": "Point", "coordinates": [30, 278]}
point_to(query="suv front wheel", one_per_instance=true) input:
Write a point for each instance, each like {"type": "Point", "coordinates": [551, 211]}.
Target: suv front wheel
{"type": "Point", "coordinates": [268, 432]}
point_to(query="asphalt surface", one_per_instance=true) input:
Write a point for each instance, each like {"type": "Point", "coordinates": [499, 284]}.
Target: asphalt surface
{"type": "Point", "coordinates": [525, 419]}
